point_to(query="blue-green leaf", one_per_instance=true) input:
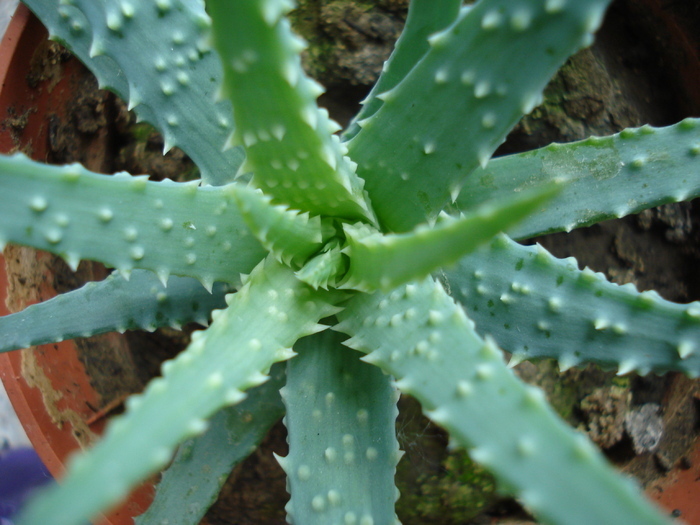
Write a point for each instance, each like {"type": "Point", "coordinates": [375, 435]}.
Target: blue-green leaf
{"type": "Point", "coordinates": [292, 237]}
{"type": "Point", "coordinates": [425, 17]}
{"type": "Point", "coordinates": [484, 71]}
{"type": "Point", "coordinates": [155, 56]}
{"type": "Point", "coordinates": [341, 416]}
{"type": "Point", "coordinates": [607, 177]}
{"type": "Point", "coordinates": [420, 336]}
{"type": "Point", "coordinates": [537, 306]}
{"type": "Point", "coordinates": [258, 328]}
{"type": "Point", "coordinates": [126, 222]}
{"type": "Point", "coordinates": [291, 150]}
{"type": "Point", "coordinates": [385, 261]}
{"type": "Point", "coordinates": [114, 304]}
{"type": "Point", "coordinates": [190, 485]}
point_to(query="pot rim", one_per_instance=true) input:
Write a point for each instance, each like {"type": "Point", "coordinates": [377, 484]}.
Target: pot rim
{"type": "Point", "coordinates": [54, 443]}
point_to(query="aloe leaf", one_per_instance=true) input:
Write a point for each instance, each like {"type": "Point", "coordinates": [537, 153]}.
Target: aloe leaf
{"type": "Point", "coordinates": [420, 336]}
{"type": "Point", "coordinates": [292, 237]}
{"type": "Point", "coordinates": [258, 328]}
{"type": "Point", "coordinates": [425, 17]}
{"type": "Point", "coordinates": [125, 222]}
{"type": "Point", "coordinates": [202, 464]}
{"type": "Point", "coordinates": [114, 304]}
{"type": "Point", "coordinates": [537, 306]}
{"type": "Point", "coordinates": [341, 416]}
{"type": "Point", "coordinates": [385, 261]}
{"type": "Point", "coordinates": [414, 161]}
{"type": "Point", "coordinates": [326, 268]}
{"type": "Point", "coordinates": [288, 139]}
{"type": "Point", "coordinates": [173, 88]}
{"type": "Point", "coordinates": [607, 177]}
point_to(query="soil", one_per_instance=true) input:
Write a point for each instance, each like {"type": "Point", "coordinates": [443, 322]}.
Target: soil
{"type": "Point", "coordinates": [644, 68]}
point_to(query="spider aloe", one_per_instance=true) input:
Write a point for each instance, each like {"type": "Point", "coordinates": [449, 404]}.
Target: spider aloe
{"type": "Point", "coordinates": [330, 240]}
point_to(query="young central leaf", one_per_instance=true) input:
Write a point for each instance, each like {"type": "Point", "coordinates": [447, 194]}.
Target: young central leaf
{"type": "Point", "coordinates": [387, 261]}
{"type": "Point", "coordinates": [290, 236]}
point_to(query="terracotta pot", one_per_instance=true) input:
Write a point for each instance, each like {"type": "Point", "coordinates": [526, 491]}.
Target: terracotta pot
{"type": "Point", "coordinates": [59, 404]}
{"type": "Point", "coordinates": [679, 492]}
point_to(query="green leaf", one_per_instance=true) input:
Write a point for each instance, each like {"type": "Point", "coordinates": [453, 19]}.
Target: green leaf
{"type": "Point", "coordinates": [292, 237]}
{"type": "Point", "coordinates": [425, 17]}
{"type": "Point", "coordinates": [385, 261]}
{"type": "Point", "coordinates": [341, 416]}
{"type": "Point", "coordinates": [202, 464]}
{"type": "Point", "coordinates": [325, 269]}
{"type": "Point", "coordinates": [262, 322]}
{"type": "Point", "coordinates": [291, 150]}
{"type": "Point", "coordinates": [420, 336]}
{"type": "Point", "coordinates": [126, 222]}
{"type": "Point", "coordinates": [111, 305]}
{"type": "Point", "coordinates": [413, 159]}
{"type": "Point", "coordinates": [607, 177]}
{"type": "Point", "coordinates": [155, 56]}
{"type": "Point", "coordinates": [537, 306]}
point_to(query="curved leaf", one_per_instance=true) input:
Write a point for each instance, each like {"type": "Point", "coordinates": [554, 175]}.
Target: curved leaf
{"type": "Point", "coordinates": [190, 485]}
{"type": "Point", "coordinates": [425, 17]}
{"type": "Point", "coordinates": [414, 160]}
{"type": "Point", "coordinates": [113, 304]}
{"type": "Point", "coordinates": [291, 150]}
{"type": "Point", "coordinates": [172, 85]}
{"type": "Point", "coordinates": [125, 222]}
{"type": "Point", "coordinates": [537, 306]}
{"type": "Point", "coordinates": [234, 354]}
{"type": "Point", "coordinates": [420, 336]}
{"type": "Point", "coordinates": [341, 416]}
{"type": "Point", "coordinates": [606, 177]}
{"type": "Point", "coordinates": [386, 261]}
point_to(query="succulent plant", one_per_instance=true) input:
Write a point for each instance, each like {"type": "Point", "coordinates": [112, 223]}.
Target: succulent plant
{"type": "Point", "coordinates": [315, 230]}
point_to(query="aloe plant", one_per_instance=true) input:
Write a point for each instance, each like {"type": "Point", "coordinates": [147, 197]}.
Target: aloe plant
{"type": "Point", "coordinates": [319, 231]}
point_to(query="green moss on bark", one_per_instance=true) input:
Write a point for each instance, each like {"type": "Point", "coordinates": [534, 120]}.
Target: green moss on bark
{"type": "Point", "coordinates": [436, 485]}
{"type": "Point", "coordinates": [348, 40]}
